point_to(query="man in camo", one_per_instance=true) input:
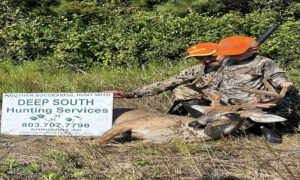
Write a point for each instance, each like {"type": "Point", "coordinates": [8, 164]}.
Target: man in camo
{"type": "Point", "coordinates": [244, 69]}
{"type": "Point", "coordinates": [209, 65]}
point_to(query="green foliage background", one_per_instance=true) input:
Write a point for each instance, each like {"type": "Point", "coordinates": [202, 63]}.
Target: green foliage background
{"type": "Point", "coordinates": [90, 33]}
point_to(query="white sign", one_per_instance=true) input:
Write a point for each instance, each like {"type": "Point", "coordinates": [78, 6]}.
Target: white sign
{"type": "Point", "coordinates": [69, 114]}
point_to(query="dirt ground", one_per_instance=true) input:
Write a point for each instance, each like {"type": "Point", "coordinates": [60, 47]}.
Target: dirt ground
{"type": "Point", "coordinates": [227, 158]}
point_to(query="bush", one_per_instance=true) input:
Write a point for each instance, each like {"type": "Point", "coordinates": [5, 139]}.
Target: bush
{"type": "Point", "coordinates": [124, 36]}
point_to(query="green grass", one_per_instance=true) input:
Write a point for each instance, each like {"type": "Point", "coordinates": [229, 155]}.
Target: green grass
{"type": "Point", "coordinates": [33, 77]}
{"type": "Point", "coordinates": [294, 76]}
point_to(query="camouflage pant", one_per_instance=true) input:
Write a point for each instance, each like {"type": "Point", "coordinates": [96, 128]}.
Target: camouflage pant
{"type": "Point", "coordinates": [288, 104]}
{"type": "Point", "coordinates": [285, 107]}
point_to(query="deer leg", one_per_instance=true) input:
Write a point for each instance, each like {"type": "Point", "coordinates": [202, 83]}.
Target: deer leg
{"type": "Point", "coordinates": [193, 112]}
{"type": "Point", "coordinates": [269, 132]}
{"type": "Point", "coordinates": [116, 130]}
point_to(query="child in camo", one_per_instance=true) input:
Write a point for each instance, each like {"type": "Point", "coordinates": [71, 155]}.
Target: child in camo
{"type": "Point", "coordinates": [244, 69]}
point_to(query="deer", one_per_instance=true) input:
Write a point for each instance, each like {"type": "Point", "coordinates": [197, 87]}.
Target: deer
{"type": "Point", "coordinates": [217, 119]}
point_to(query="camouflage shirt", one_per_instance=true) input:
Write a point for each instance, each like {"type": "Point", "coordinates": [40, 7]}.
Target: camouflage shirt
{"type": "Point", "coordinates": [247, 74]}
{"type": "Point", "coordinates": [186, 76]}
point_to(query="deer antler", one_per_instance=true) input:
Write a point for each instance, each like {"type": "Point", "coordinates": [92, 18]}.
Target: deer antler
{"type": "Point", "coordinates": [203, 90]}
{"type": "Point", "coordinates": [217, 107]}
{"type": "Point", "coordinates": [271, 92]}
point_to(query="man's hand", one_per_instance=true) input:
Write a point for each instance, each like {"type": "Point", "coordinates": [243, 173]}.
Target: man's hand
{"type": "Point", "coordinates": [264, 106]}
{"type": "Point", "coordinates": [286, 84]}
{"type": "Point", "coordinates": [118, 94]}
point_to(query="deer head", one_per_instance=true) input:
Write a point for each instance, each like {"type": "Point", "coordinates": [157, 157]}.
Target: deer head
{"type": "Point", "coordinates": [218, 118]}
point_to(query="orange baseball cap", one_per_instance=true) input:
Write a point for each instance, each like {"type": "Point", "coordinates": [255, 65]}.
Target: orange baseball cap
{"type": "Point", "coordinates": [203, 49]}
{"type": "Point", "coordinates": [235, 45]}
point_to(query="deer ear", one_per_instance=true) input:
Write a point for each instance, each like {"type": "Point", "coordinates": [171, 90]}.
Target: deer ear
{"type": "Point", "coordinates": [268, 118]}
{"type": "Point", "coordinates": [199, 108]}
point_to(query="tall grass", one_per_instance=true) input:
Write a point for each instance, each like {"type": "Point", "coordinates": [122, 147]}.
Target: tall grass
{"type": "Point", "coordinates": [36, 77]}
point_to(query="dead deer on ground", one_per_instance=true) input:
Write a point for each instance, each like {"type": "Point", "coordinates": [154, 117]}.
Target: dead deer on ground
{"type": "Point", "coordinates": [217, 119]}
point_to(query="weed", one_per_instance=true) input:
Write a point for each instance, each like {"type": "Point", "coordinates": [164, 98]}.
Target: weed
{"type": "Point", "coordinates": [255, 163]}
{"type": "Point", "coordinates": [2, 172]}
{"type": "Point", "coordinates": [13, 163]}
{"type": "Point", "coordinates": [142, 162]}
{"type": "Point", "coordinates": [56, 156]}
{"type": "Point", "coordinates": [225, 154]}
{"type": "Point", "coordinates": [50, 175]}
{"type": "Point", "coordinates": [33, 168]}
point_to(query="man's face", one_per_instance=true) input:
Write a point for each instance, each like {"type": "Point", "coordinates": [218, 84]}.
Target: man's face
{"type": "Point", "coordinates": [212, 61]}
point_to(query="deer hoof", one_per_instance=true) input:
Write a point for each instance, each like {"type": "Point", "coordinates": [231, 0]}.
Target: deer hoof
{"type": "Point", "coordinates": [196, 125]}
{"type": "Point", "coordinates": [270, 135]}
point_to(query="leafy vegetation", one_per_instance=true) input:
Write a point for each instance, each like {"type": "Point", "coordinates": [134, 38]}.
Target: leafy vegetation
{"type": "Point", "coordinates": [183, 7]}
{"type": "Point", "coordinates": [90, 34]}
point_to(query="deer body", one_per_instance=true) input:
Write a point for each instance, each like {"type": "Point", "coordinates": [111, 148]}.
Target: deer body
{"type": "Point", "coordinates": [217, 119]}
{"type": "Point", "coordinates": [165, 127]}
